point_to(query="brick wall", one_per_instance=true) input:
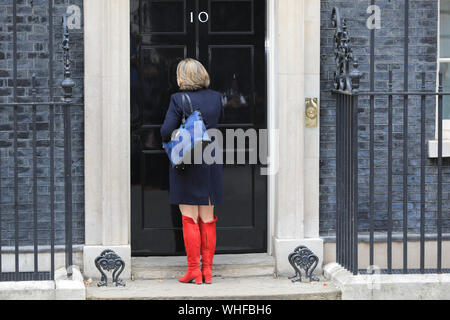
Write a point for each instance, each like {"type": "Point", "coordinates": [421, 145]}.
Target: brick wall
{"type": "Point", "coordinates": [33, 57]}
{"type": "Point", "coordinates": [389, 43]}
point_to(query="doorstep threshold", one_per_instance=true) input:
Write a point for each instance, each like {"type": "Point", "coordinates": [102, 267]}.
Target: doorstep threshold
{"type": "Point", "coordinates": [225, 265]}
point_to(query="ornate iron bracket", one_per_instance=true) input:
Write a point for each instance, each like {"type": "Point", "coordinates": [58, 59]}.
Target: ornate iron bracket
{"type": "Point", "coordinates": [344, 79]}
{"type": "Point", "coordinates": [108, 260]}
{"type": "Point", "coordinates": [303, 258]}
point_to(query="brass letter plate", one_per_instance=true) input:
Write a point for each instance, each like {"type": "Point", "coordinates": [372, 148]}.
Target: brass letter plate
{"type": "Point", "coordinates": [311, 112]}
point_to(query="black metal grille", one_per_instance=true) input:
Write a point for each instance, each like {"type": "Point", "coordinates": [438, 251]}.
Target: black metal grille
{"type": "Point", "coordinates": [25, 276]}
{"type": "Point", "coordinates": [348, 138]}
{"type": "Point", "coordinates": [35, 107]}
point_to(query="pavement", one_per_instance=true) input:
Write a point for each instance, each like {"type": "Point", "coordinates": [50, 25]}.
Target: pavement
{"type": "Point", "coordinates": [222, 288]}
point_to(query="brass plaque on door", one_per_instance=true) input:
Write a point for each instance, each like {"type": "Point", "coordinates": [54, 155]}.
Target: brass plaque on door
{"type": "Point", "coordinates": [311, 112]}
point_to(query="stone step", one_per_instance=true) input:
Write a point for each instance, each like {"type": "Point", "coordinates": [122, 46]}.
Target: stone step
{"type": "Point", "coordinates": [225, 265]}
{"type": "Point", "coordinates": [222, 288]}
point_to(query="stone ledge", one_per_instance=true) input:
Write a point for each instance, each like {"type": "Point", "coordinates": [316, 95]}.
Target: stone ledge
{"type": "Point", "coordinates": [27, 290]}
{"type": "Point", "coordinates": [60, 289]}
{"type": "Point", "coordinates": [69, 289]}
{"type": "Point", "coordinates": [388, 286]}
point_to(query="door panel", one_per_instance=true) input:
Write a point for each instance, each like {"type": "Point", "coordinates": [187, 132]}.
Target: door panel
{"type": "Point", "coordinates": [234, 79]}
{"type": "Point", "coordinates": [231, 16]}
{"type": "Point", "coordinates": [228, 38]}
{"type": "Point", "coordinates": [157, 79]}
{"type": "Point", "coordinates": [159, 16]}
{"type": "Point", "coordinates": [237, 199]}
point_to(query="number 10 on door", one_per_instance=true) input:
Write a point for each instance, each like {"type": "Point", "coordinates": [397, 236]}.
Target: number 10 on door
{"type": "Point", "coordinates": [203, 17]}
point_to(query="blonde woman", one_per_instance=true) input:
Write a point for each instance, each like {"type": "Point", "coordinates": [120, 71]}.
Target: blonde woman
{"type": "Point", "coordinates": [198, 187]}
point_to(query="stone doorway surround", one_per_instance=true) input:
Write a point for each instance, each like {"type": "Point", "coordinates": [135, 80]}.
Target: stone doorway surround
{"type": "Point", "coordinates": [293, 52]}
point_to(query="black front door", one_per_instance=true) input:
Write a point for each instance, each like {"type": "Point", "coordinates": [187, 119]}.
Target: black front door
{"type": "Point", "coordinates": [228, 37]}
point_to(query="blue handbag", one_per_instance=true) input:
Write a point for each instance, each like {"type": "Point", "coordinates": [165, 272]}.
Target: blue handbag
{"type": "Point", "coordinates": [180, 149]}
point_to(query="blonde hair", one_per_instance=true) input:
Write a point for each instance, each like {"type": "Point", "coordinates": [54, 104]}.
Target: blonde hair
{"type": "Point", "coordinates": [192, 75]}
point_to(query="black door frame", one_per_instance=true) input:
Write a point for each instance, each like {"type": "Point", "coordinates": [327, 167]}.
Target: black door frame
{"type": "Point", "coordinates": [267, 107]}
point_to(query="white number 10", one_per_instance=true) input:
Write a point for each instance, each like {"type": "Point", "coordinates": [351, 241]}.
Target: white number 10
{"type": "Point", "coordinates": [203, 17]}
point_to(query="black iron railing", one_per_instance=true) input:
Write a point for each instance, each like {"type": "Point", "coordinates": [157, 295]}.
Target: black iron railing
{"type": "Point", "coordinates": [43, 115]}
{"type": "Point", "coordinates": [401, 170]}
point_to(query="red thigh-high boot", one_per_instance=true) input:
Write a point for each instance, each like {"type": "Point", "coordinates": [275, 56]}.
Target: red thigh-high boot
{"type": "Point", "coordinates": [208, 234]}
{"type": "Point", "coordinates": [192, 243]}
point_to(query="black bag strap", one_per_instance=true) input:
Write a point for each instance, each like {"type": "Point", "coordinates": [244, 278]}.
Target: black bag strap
{"type": "Point", "coordinates": [190, 102]}
{"type": "Point", "coordinates": [183, 101]}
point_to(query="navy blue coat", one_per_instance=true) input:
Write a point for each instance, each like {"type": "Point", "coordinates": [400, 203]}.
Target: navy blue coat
{"type": "Point", "coordinates": [198, 183]}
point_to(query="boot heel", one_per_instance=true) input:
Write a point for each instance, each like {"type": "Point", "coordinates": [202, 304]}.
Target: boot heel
{"type": "Point", "coordinates": [199, 279]}
{"type": "Point", "coordinates": [207, 277]}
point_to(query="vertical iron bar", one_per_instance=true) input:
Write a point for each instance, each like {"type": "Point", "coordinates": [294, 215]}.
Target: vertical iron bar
{"type": "Point", "coordinates": [344, 185]}
{"type": "Point", "coordinates": [52, 190]}
{"type": "Point", "coordinates": [68, 184]}
{"type": "Point", "coordinates": [35, 213]}
{"type": "Point", "coordinates": [346, 172]}
{"type": "Point", "coordinates": [342, 213]}
{"type": "Point", "coordinates": [371, 176]}
{"type": "Point", "coordinates": [405, 141]}
{"type": "Point", "coordinates": [347, 179]}
{"type": "Point", "coordinates": [371, 143]}
{"type": "Point", "coordinates": [16, 193]}
{"type": "Point", "coordinates": [338, 180]}
{"type": "Point", "coordinates": [405, 184]}
{"type": "Point", "coordinates": [344, 178]}
{"type": "Point", "coordinates": [351, 182]}
{"type": "Point", "coordinates": [439, 186]}
{"type": "Point", "coordinates": [350, 185]}
{"type": "Point", "coordinates": [341, 186]}
{"type": "Point", "coordinates": [347, 183]}
{"type": "Point", "coordinates": [67, 85]}
{"type": "Point", "coordinates": [52, 142]}
{"type": "Point", "coordinates": [341, 182]}
{"type": "Point", "coordinates": [422, 177]}
{"type": "Point", "coordinates": [343, 201]}
{"type": "Point", "coordinates": [389, 208]}
{"type": "Point", "coordinates": [355, 183]}
{"type": "Point", "coordinates": [1, 248]}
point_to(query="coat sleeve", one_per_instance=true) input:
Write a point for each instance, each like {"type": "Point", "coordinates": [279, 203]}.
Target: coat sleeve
{"type": "Point", "coordinates": [172, 120]}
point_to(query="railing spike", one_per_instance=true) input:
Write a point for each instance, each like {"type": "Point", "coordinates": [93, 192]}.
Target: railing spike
{"type": "Point", "coordinates": [344, 79]}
